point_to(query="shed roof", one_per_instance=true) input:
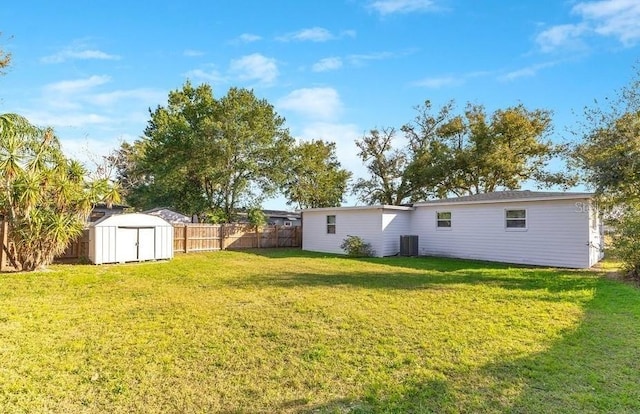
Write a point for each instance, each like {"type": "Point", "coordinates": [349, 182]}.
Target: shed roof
{"type": "Point", "coordinates": [131, 220]}
{"type": "Point", "coordinates": [508, 196]}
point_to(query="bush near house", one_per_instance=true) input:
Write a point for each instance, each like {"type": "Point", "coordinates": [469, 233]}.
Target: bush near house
{"type": "Point", "coordinates": [354, 246]}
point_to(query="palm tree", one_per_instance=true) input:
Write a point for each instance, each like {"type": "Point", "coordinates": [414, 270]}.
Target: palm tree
{"type": "Point", "coordinates": [44, 196]}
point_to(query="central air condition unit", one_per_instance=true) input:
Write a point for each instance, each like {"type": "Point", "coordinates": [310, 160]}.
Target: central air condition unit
{"type": "Point", "coordinates": [409, 245]}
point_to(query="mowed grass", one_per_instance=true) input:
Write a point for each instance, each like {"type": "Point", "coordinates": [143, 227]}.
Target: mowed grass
{"type": "Point", "coordinates": [295, 332]}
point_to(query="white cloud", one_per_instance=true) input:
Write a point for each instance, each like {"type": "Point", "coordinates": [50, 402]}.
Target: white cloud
{"type": "Point", "coordinates": [313, 34]}
{"type": "Point", "coordinates": [526, 72]}
{"type": "Point", "coordinates": [247, 38]}
{"type": "Point", "coordinates": [348, 33]}
{"type": "Point", "coordinates": [359, 59]}
{"type": "Point", "coordinates": [193, 53]}
{"type": "Point", "coordinates": [212, 75]}
{"type": "Point", "coordinates": [313, 103]}
{"type": "Point", "coordinates": [385, 7]}
{"type": "Point", "coordinates": [149, 96]}
{"type": "Point", "coordinates": [255, 67]}
{"type": "Point", "coordinates": [78, 54]}
{"type": "Point", "coordinates": [344, 135]}
{"type": "Point", "coordinates": [564, 35]}
{"type": "Point", "coordinates": [439, 82]}
{"type": "Point", "coordinates": [619, 19]}
{"type": "Point", "coordinates": [327, 64]}
{"type": "Point", "coordinates": [77, 85]}
{"type": "Point", "coordinates": [65, 120]}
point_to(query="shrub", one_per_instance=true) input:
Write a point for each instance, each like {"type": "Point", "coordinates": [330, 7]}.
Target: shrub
{"type": "Point", "coordinates": [256, 217]}
{"type": "Point", "coordinates": [356, 247]}
{"type": "Point", "coordinates": [626, 242]}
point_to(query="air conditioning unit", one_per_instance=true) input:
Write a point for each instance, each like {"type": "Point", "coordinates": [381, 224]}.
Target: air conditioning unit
{"type": "Point", "coordinates": [409, 245]}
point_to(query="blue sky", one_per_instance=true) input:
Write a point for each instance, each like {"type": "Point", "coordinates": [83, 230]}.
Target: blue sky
{"type": "Point", "coordinates": [333, 68]}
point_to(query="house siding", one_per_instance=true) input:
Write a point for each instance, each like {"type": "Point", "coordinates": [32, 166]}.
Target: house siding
{"type": "Point", "coordinates": [394, 224]}
{"type": "Point", "coordinates": [596, 234]}
{"type": "Point", "coordinates": [557, 233]}
{"type": "Point", "coordinates": [366, 224]}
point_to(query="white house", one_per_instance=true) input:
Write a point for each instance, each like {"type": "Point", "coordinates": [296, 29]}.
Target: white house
{"type": "Point", "coordinates": [527, 227]}
{"type": "Point", "coordinates": [130, 238]}
{"type": "Point", "coordinates": [324, 229]}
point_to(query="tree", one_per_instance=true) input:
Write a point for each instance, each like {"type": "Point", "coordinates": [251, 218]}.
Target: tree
{"type": "Point", "coordinates": [125, 166]}
{"type": "Point", "coordinates": [44, 196]}
{"type": "Point", "coordinates": [387, 182]}
{"type": "Point", "coordinates": [609, 158]}
{"type": "Point", "coordinates": [5, 59]}
{"type": "Point", "coordinates": [316, 178]}
{"type": "Point", "coordinates": [205, 154]}
{"type": "Point", "coordinates": [477, 153]}
{"type": "Point", "coordinates": [608, 154]}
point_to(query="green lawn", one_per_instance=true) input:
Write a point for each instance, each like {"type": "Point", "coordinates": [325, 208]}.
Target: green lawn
{"type": "Point", "coordinates": [289, 331]}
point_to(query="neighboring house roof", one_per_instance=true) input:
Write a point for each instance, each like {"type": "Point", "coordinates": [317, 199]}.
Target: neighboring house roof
{"type": "Point", "coordinates": [169, 215]}
{"type": "Point", "coordinates": [507, 196]}
{"type": "Point", "coordinates": [281, 214]}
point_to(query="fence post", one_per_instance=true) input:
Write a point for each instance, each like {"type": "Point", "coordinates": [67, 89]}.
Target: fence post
{"type": "Point", "coordinates": [277, 232]}
{"type": "Point", "coordinates": [186, 238]}
{"type": "Point", "coordinates": [4, 244]}
{"type": "Point", "coordinates": [257, 237]}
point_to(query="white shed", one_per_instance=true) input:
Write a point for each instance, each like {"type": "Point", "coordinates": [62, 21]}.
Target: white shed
{"type": "Point", "coordinates": [130, 238]}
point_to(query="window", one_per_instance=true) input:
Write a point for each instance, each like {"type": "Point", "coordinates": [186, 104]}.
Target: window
{"type": "Point", "coordinates": [516, 219]}
{"type": "Point", "coordinates": [331, 224]}
{"type": "Point", "coordinates": [443, 220]}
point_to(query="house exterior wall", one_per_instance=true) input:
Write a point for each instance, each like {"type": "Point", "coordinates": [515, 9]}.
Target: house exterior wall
{"type": "Point", "coordinates": [557, 232]}
{"type": "Point", "coordinates": [395, 223]}
{"type": "Point", "coordinates": [366, 224]}
{"type": "Point", "coordinates": [596, 233]}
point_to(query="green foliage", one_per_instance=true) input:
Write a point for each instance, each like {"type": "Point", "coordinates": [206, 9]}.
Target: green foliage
{"type": "Point", "coordinates": [609, 152]}
{"type": "Point", "coordinates": [316, 178]}
{"type": "Point", "coordinates": [387, 182]}
{"type": "Point", "coordinates": [451, 154]}
{"type": "Point", "coordinates": [216, 216]}
{"type": "Point", "coordinates": [626, 241]}
{"type": "Point", "coordinates": [5, 59]}
{"type": "Point", "coordinates": [256, 217]}
{"type": "Point", "coordinates": [200, 153]}
{"type": "Point", "coordinates": [609, 158]}
{"type": "Point", "coordinates": [479, 153]}
{"type": "Point", "coordinates": [44, 197]}
{"type": "Point", "coordinates": [355, 246]}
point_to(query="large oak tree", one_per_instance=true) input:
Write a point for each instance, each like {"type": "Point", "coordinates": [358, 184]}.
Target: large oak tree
{"type": "Point", "coordinates": [202, 154]}
{"type": "Point", "coordinates": [459, 154]}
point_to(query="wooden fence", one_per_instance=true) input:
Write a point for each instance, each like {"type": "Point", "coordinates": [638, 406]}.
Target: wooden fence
{"type": "Point", "coordinates": [210, 237]}
{"type": "Point", "coordinates": [77, 250]}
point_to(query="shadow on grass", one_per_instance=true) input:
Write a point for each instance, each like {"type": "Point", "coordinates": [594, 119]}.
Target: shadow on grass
{"type": "Point", "coordinates": [593, 368]}
{"type": "Point", "coordinates": [426, 273]}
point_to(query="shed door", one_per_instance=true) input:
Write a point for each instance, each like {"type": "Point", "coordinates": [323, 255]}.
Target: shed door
{"type": "Point", "coordinates": [146, 243]}
{"type": "Point", "coordinates": [135, 244]}
{"type": "Point", "coordinates": [126, 244]}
